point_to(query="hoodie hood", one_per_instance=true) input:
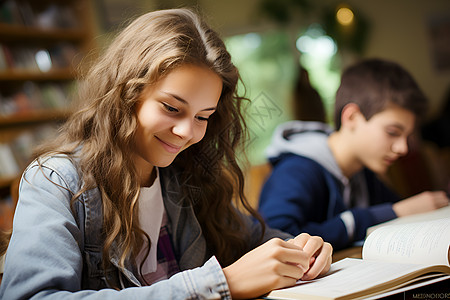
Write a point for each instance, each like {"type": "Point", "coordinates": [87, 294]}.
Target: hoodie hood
{"type": "Point", "coordinates": [308, 139]}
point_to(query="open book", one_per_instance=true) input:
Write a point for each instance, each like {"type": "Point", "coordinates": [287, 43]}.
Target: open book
{"type": "Point", "coordinates": [394, 256]}
{"type": "Point", "coordinates": [441, 213]}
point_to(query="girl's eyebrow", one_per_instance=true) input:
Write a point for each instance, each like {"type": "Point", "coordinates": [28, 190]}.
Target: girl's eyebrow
{"type": "Point", "coordinates": [184, 102]}
{"type": "Point", "coordinates": [397, 125]}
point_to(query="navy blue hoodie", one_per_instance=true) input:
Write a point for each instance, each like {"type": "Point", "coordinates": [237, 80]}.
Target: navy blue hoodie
{"type": "Point", "coordinates": [307, 192]}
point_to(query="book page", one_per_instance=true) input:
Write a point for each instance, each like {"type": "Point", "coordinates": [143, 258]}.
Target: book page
{"type": "Point", "coordinates": [425, 243]}
{"type": "Point", "coordinates": [348, 279]}
{"type": "Point", "coordinates": [411, 287]}
{"type": "Point", "coordinates": [441, 213]}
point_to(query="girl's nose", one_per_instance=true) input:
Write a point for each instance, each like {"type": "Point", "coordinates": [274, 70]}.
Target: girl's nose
{"type": "Point", "coordinates": [184, 129]}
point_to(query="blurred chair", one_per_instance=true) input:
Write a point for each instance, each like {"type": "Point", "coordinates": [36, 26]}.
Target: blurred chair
{"type": "Point", "coordinates": [254, 181]}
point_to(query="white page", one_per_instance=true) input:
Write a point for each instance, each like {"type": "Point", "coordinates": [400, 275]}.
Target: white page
{"type": "Point", "coordinates": [419, 243]}
{"type": "Point", "coordinates": [441, 213]}
{"type": "Point", "coordinates": [409, 287]}
{"type": "Point", "coordinates": [348, 276]}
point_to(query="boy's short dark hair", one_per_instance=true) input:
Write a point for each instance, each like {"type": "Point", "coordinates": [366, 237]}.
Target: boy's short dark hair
{"type": "Point", "coordinates": [373, 84]}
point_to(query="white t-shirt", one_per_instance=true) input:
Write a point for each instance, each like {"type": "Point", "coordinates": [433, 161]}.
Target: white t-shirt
{"type": "Point", "coordinates": [151, 211]}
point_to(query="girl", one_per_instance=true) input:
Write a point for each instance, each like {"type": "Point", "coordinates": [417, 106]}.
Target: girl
{"type": "Point", "coordinates": [138, 189]}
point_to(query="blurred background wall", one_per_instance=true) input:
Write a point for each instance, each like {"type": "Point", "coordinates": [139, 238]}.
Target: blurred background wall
{"type": "Point", "coordinates": [286, 47]}
{"type": "Point", "coordinates": [399, 30]}
{"type": "Point", "coordinates": [290, 54]}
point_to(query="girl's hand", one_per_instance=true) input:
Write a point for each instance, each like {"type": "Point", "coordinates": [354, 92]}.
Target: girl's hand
{"type": "Point", "coordinates": [319, 251]}
{"type": "Point", "coordinates": [277, 264]}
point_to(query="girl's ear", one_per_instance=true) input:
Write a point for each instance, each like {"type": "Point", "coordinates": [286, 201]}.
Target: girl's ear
{"type": "Point", "coordinates": [349, 115]}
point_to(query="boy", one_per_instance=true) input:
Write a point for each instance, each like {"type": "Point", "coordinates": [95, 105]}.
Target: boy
{"type": "Point", "coordinates": [323, 182]}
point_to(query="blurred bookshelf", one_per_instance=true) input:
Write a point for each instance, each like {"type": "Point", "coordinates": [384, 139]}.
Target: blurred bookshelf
{"type": "Point", "coordinates": [42, 46]}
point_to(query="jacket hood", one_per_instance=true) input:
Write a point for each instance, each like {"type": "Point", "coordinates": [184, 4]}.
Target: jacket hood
{"type": "Point", "coordinates": [304, 138]}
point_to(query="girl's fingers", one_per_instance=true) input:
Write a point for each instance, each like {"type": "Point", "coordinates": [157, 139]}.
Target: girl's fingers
{"type": "Point", "coordinates": [301, 240]}
{"type": "Point", "coordinates": [309, 253]}
{"type": "Point", "coordinates": [309, 244]}
{"type": "Point", "coordinates": [318, 252]}
{"type": "Point", "coordinates": [321, 263]}
{"type": "Point", "coordinates": [293, 255]}
{"type": "Point", "coordinates": [292, 271]}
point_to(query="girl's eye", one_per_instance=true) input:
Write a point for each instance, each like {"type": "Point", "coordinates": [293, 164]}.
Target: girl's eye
{"type": "Point", "coordinates": [170, 108]}
{"type": "Point", "coordinates": [393, 133]}
{"type": "Point", "coordinates": [202, 119]}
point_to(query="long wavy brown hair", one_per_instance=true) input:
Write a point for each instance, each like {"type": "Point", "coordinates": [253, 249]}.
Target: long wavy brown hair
{"type": "Point", "coordinates": [104, 127]}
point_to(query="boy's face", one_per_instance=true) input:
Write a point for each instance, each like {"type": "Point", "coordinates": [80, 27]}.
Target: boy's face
{"type": "Point", "coordinates": [382, 139]}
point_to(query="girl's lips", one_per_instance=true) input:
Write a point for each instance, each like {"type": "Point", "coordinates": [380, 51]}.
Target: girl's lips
{"type": "Point", "coordinates": [390, 161]}
{"type": "Point", "coordinates": [169, 147]}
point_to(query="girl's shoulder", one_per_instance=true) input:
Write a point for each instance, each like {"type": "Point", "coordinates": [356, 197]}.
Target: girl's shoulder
{"type": "Point", "coordinates": [63, 165]}
{"type": "Point", "coordinates": [57, 161]}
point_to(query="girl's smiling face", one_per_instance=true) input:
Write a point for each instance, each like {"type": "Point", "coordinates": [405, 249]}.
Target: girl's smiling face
{"type": "Point", "coordinates": [173, 114]}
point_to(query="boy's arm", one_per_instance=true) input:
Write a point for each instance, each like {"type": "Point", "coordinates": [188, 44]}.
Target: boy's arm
{"type": "Point", "coordinates": [299, 197]}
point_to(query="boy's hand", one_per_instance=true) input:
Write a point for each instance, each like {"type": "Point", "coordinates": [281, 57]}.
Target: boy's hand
{"type": "Point", "coordinates": [420, 203]}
